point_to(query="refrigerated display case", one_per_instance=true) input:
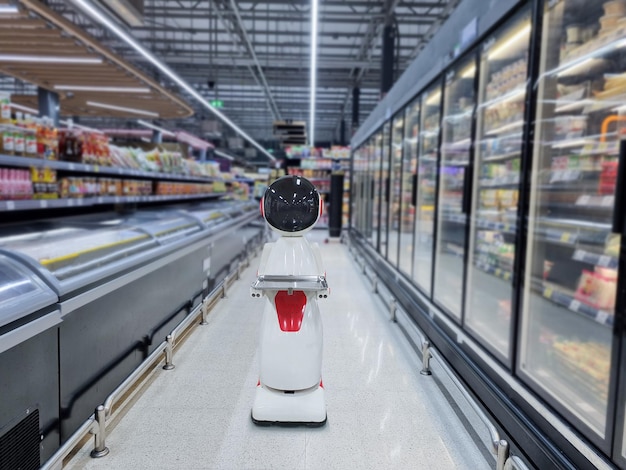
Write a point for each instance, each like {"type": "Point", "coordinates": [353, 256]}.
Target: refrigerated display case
{"type": "Point", "coordinates": [458, 117]}
{"type": "Point", "coordinates": [570, 284]}
{"type": "Point", "coordinates": [427, 183]}
{"type": "Point", "coordinates": [502, 94]}
{"type": "Point", "coordinates": [409, 187]}
{"type": "Point", "coordinates": [29, 411]}
{"type": "Point", "coordinates": [122, 282]}
{"type": "Point", "coordinates": [395, 188]}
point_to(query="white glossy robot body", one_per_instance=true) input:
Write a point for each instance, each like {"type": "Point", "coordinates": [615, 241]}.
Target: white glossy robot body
{"type": "Point", "coordinates": [290, 280]}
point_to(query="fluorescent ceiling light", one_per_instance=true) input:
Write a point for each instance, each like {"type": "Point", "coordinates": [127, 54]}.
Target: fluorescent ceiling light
{"type": "Point", "coordinates": [112, 89]}
{"type": "Point", "coordinates": [313, 81]}
{"type": "Point", "coordinates": [434, 98]}
{"type": "Point", "coordinates": [7, 8]}
{"type": "Point", "coordinates": [121, 108]}
{"type": "Point", "coordinates": [469, 72]}
{"type": "Point", "coordinates": [97, 14]}
{"type": "Point", "coordinates": [49, 59]}
{"type": "Point", "coordinates": [25, 108]}
{"type": "Point", "coordinates": [149, 125]}
{"type": "Point", "coordinates": [511, 41]}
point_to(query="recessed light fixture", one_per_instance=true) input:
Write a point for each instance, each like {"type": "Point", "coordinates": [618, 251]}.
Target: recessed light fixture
{"type": "Point", "coordinates": [112, 89]}
{"type": "Point", "coordinates": [122, 108]}
{"type": "Point", "coordinates": [49, 59]}
{"type": "Point", "coordinates": [149, 125]}
{"type": "Point", "coordinates": [313, 80]}
{"type": "Point", "coordinates": [96, 13]}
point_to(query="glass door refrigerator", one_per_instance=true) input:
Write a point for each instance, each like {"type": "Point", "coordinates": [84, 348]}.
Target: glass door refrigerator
{"type": "Point", "coordinates": [409, 186]}
{"type": "Point", "coordinates": [568, 348]}
{"type": "Point", "coordinates": [385, 190]}
{"type": "Point", "coordinates": [502, 94]}
{"type": "Point", "coordinates": [430, 117]}
{"type": "Point", "coordinates": [375, 178]}
{"type": "Point", "coordinates": [366, 207]}
{"type": "Point", "coordinates": [395, 187]}
{"type": "Point", "coordinates": [454, 184]}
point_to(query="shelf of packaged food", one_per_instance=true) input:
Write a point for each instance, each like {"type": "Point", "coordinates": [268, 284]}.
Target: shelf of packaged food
{"type": "Point", "coordinates": [518, 93]}
{"type": "Point", "coordinates": [496, 226]}
{"type": "Point", "coordinates": [502, 158]}
{"type": "Point", "coordinates": [504, 128]}
{"type": "Point", "coordinates": [582, 232]}
{"type": "Point", "coordinates": [33, 204]}
{"type": "Point", "coordinates": [24, 162]}
{"type": "Point", "coordinates": [587, 57]}
{"type": "Point", "coordinates": [602, 260]}
{"type": "Point", "coordinates": [567, 299]}
{"type": "Point", "coordinates": [592, 144]}
{"type": "Point", "coordinates": [584, 202]}
{"type": "Point", "coordinates": [500, 273]}
{"type": "Point", "coordinates": [507, 181]}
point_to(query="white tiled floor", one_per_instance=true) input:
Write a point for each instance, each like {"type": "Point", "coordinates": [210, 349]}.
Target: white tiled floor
{"type": "Point", "coordinates": [381, 413]}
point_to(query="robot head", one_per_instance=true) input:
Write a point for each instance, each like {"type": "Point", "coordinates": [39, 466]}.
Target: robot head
{"type": "Point", "coordinates": [291, 206]}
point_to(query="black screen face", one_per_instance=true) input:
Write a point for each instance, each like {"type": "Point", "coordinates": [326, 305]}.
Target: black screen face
{"type": "Point", "coordinates": [291, 204]}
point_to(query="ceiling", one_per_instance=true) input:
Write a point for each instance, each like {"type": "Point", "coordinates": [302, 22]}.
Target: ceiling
{"type": "Point", "coordinates": [254, 55]}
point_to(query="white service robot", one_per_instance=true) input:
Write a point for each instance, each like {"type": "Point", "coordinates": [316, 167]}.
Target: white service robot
{"type": "Point", "coordinates": [290, 280]}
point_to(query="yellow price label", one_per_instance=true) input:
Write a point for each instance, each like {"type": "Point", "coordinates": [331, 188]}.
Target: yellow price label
{"type": "Point", "coordinates": [565, 237]}
{"type": "Point", "coordinates": [547, 292]}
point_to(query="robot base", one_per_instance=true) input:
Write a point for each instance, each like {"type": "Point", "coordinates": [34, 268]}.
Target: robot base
{"type": "Point", "coordinates": [304, 407]}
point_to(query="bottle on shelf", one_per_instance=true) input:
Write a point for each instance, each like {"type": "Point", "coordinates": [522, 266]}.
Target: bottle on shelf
{"type": "Point", "coordinates": [18, 136]}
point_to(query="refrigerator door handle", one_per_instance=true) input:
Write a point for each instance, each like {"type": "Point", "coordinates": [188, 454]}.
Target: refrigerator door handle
{"type": "Point", "coordinates": [467, 179]}
{"type": "Point", "coordinates": [414, 190]}
{"type": "Point", "coordinates": [387, 188]}
{"type": "Point", "coordinates": [620, 191]}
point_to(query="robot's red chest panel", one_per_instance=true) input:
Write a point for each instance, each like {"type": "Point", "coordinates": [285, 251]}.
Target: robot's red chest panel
{"type": "Point", "coordinates": [290, 309]}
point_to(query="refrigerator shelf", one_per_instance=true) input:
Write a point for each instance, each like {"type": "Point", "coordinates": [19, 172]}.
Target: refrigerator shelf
{"type": "Point", "coordinates": [503, 157]}
{"type": "Point", "coordinates": [604, 261]}
{"type": "Point", "coordinates": [497, 272]}
{"type": "Point", "coordinates": [566, 299]}
{"type": "Point", "coordinates": [516, 125]}
{"type": "Point", "coordinates": [516, 94]}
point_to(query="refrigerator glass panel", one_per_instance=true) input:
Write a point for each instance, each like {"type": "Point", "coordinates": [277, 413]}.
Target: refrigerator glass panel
{"type": "Point", "coordinates": [367, 192]}
{"type": "Point", "coordinates": [71, 251]}
{"type": "Point", "coordinates": [427, 183]}
{"type": "Point", "coordinates": [385, 190]}
{"type": "Point", "coordinates": [375, 175]}
{"type": "Point", "coordinates": [395, 186]}
{"type": "Point", "coordinates": [409, 185]}
{"type": "Point", "coordinates": [572, 257]}
{"type": "Point", "coordinates": [500, 114]}
{"type": "Point", "coordinates": [21, 293]}
{"type": "Point", "coordinates": [459, 103]}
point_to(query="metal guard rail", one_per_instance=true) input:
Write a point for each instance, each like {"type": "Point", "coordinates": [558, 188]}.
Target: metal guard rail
{"type": "Point", "coordinates": [96, 423]}
{"type": "Point", "coordinates": [499, 446]}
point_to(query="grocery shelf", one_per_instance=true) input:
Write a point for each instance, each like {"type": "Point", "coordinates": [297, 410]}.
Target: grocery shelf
{"type": "Point", "coordinates": [500, 182]}
{"type": "Point", "coordinates": [568, 301]}
{"type": "Point", "coordinates": [605, 261]}
{"type": "Point", "coordinates": [25, 162]}
{"type": "Point", "coordinates": [497, 272]}
{"type": "Point", "coordinates": [505, 127]}
{"type": "Point", "coordinates": [503, 157]}
{"type": "Point", "coordinates": [33, 204]}
{"type": "Point", "coordinates": [517, 93]}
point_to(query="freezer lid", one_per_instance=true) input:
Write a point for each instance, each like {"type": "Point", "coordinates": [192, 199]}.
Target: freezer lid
{"type": "Point", "coordinates": [71, 256]}
{"type": "Point", "coordinates": [22, 292]}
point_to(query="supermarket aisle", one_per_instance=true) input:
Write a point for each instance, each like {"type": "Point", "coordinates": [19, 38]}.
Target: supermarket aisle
{"type": "Point", "coordinates": [381, 412]}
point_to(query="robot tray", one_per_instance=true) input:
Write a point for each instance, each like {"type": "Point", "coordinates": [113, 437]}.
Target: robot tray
{"type": "Point", "coordinates": [278, 282]}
